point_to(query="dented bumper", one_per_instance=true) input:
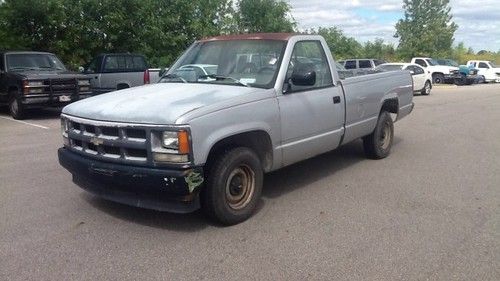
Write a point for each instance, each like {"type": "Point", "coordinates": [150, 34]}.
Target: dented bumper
{"type": "Point", "coordinates": [152, 188]}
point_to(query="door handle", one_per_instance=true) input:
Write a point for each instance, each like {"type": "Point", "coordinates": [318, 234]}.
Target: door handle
{"type": "Point", "coordinates": [336, 99]}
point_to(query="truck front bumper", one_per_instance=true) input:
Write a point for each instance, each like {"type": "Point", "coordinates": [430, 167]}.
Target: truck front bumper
{"type": "Point", "coordinates": [151, 188]}
{"type": "Point", "coordinates": [40, 100]}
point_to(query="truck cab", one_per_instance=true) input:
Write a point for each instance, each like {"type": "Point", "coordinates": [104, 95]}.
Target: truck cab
{"type": "Point", "coordinates": [116, 71]}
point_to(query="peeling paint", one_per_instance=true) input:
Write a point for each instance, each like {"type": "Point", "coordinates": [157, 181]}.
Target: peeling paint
{"type": "Point", "coordinates": [193, 180]}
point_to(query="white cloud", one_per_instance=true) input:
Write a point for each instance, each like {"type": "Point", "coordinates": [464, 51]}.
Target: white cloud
{"type": "Point", "coordinates": [479, 21]}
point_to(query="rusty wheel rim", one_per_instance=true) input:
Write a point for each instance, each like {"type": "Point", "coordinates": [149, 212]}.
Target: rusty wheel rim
{"type": "Point", "coordinates": [240, 187]}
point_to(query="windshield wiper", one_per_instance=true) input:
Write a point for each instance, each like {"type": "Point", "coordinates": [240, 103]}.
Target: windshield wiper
{"type": "Point", "coordinates": [220, 77]}
{"type": "Point", "coordinates": [173, 76]}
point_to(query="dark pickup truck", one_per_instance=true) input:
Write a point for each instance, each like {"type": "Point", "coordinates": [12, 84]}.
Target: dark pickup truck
{"type": "Point", "coordinates": [38, 79]}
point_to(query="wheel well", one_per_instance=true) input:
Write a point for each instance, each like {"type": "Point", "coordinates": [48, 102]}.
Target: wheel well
{"type": "Point", "coordinates": [122, 86]}
{"type": "Point", "coordinates": [436, 73]}
{"type": "Point", "coordinates": [390, 105]}
{"type": "Point", "coordinates": [258, 141]}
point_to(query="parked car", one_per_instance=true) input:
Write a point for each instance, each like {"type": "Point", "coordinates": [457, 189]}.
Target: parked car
{"type": "Point", "coordinates": [422, 80]}
{"type": "Point", "coordinates": [487, 69]}
{"type": "Point", "coordinates": [440, 73]}
{"type": "Point", "coordinates": [38, 79]}
{"type": "Point", "coordinates": [465, 75]}
{"type": "Point", "coordinates": [111, 72]}
{"type": "Point", "coordinates": [190, 141]}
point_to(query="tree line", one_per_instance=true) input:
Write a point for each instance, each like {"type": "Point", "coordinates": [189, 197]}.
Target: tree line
{"type": "Point", "coordinates": [77, 30]}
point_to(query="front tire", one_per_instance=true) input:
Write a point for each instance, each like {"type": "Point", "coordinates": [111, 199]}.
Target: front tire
{"type": "Point", "coordinates": [427, 88]}
{"type": "Point", "coordinates": [234, 185]}
{"type": "Point", "coordinates": [378, 144]}
{"type": "Point", "coordinates": [16, 108]}
{"type": "Point", "coordinates": [438, 78]}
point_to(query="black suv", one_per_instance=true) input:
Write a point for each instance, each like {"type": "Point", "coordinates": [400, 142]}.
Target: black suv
{"type": "Point", "coordinates": [38, 79]}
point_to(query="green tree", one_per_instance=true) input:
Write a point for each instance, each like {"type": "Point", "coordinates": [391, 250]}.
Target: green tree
{"type": "Point", "coordinates": [77, 30]}
{"type": "Point", "coordinates": [342, 46]}
{"type": "Point", "coordinates": [427, 28]}
{"type": "Point", "coordinates": [264, 16]}
{"type": "Point", "coordinates": [378, 49]}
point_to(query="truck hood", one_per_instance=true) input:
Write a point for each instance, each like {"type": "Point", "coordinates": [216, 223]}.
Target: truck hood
{"type": "Point", "coordinates": [161, 103]}
{"type": "Point", "coordinates": [42, 75]}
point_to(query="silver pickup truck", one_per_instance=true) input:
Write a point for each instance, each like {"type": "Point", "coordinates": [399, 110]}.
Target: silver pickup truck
{"type": "Point", "coordinates": [205, 138]}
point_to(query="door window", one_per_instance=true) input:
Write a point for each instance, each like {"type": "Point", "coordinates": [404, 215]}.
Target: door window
{"type": "Point", "coordinates": [421, 62]}
{"type": "Point", "coordinates": [483, 65]}
{"type": "Point", "coordinates": [418, 70]}
{"type": "Point", "coordinates": [365, 64]}
{"type": "Point", "coordinates": [124, 64]}
{"type": "Point", "coordinates": [350, 64]}
{"type": "Point", "coordinates": [309, 56]}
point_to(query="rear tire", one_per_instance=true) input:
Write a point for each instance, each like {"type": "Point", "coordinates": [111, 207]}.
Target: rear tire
{"type": "Point", "coordinates": [16, 108]}
{"type": "Point", "coordinates": [427, 88]}
{"type": "Point", "coordinates": [234, 185]}
{"type": "Point", "coordinates": [378, 144]}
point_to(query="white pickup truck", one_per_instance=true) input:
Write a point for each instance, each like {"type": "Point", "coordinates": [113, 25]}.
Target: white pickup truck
{"type": "Point", "coordinates": [206, 137]}
{"type": "Point", "coordinates": [440, 73]}
{"type": "Point", "coordinates": [487, 69]}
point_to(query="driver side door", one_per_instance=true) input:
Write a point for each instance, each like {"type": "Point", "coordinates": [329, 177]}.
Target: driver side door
{"type": "Point", "coordinates": [312, 116]}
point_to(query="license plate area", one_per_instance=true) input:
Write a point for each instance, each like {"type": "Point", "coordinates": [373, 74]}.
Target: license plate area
{"type": "Point", "coordinates": [64, 98]}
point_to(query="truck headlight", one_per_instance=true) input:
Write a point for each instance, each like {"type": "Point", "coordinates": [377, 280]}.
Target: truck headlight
{"type": "Point", "coordinates": [172, 147]}
{"type": "Point", "coordinates": [83, 82]}
{"type": "Point", "coordinates": [64, 131]}
{"type": "Point", "coordinates": [35, 83]}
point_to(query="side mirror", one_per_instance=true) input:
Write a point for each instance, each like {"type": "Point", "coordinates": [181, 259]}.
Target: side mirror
{"type": "Point", "coordinates": [81, 69]}
{"type": "Point", "coordinates": [304, 76]}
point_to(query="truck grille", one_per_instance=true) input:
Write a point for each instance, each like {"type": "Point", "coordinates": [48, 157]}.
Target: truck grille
{"type": "Point", "coordinates": [63, 86]}
{"type": "Point", "coordinates": [107, 141]}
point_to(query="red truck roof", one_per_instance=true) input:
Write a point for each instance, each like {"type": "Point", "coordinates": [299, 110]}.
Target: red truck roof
{"type": "Point", "coordinates": [252, 36]}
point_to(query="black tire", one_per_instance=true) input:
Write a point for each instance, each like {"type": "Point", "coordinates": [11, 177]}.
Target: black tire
{"type": "Point", "coordinates": [426, 90]}
{"type": "Point", "coordinates": [233, 187]}
{"type": "Point", "coordinates": [438, 78]}
{"type": "Point", "coordinates": [16, 108]}
{"type": "Point", "coordinates": [378, 144]}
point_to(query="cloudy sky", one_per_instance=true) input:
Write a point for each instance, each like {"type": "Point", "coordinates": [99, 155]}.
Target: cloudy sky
{"type": "Point", "coordinates": [478, 20]}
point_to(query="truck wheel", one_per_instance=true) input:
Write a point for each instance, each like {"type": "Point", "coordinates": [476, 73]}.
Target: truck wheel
{"type": "Point", "coordinates": [16, 108]}
{"type": "Point", "coordinates": [234, 185]}
{"type": "Point", "coordinates": [427, 88]}
{"type": "Point", "coordinates": [438, 78]}
{"type": "Point", "coordinates": [378, 144]}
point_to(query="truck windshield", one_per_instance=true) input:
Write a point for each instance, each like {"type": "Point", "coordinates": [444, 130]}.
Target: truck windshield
{"type": "Point", "coordinates": [432, 62]}
{"type": "Point", "coordinates": [21, 62]}
{"type": "Point", "coordinates": [253, 63]}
